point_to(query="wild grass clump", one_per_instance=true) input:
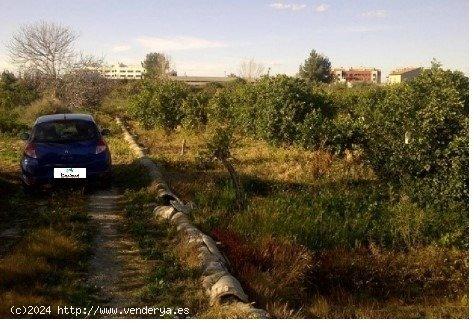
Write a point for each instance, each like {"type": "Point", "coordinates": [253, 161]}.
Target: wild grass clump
{"type": "Point", "coordinates": [21, 269]}
{"type": "Point", "coordinates": [380, 273]}
{"type": "Point", "coordinates": [270, 269]}
{"type": "Point", "coordinates": [54, 247]}
{"type": "Point", "coordinates": [10, 123]}
{"type": "Point", "coordinates": [332, 214]}
{"type": "Point", "coordinates": [9, 299]}
{"type": "Point", "coordinates": [291, 281]}
{"type": "Point", "coordinates": [43, 106]}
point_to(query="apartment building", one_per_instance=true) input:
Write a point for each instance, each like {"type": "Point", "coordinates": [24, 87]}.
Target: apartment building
{"type": "Point", "coordinates": [357, 75]}
{"type": "Point", "coordinates": [122, 72]}
{"type": "Point", "coordinates": [403, 74]}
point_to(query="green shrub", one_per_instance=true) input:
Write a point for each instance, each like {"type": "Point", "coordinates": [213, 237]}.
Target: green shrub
{"type": "Point", "coordinates": [115, 101]}
{"type": "Point", "coordinates": [15, 92]}
{"type": "Point", "coordinates": [222, 108]}
{"type": "Point", "coordinates": [281, 106]}
{"type": "Point", "coordinates": [159, 103]}
{"type": "Point", "coordinates": [195, 110]}
{"type": "Point", "coordinates": [416, 134]}
{"type": "Point", "coordinates": [10, 124]}
{"type": "Point", "coordinates": [343, 132]}
{"type": "Point", "coordinates": [45, 105]}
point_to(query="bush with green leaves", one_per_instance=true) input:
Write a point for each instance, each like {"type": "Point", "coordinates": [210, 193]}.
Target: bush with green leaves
{"type": "Point", "coordinates": [282, 105]}
{"type": "Point", "coordinates": [344, 131]}
{"type": "Point", "coordinates": [159, 103]}
{"type": "Point", "coordinates": [195, 110]}
{"type": "Point", "coordinates": [417, 134]}
{"type": "Point", "coordinates": [10, 123]}
{"type": "Point", "coordinates": [15, 92]}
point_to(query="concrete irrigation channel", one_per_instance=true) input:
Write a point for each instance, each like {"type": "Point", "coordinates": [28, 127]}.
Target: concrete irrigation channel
{"type": "Point", "coordinates": [223, 289]}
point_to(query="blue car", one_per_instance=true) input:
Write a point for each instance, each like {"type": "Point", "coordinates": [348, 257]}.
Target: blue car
{"type": "Point", "coordinates": [65, 148]}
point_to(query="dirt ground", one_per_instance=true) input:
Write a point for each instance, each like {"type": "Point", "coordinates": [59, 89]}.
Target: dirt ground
{"type": "Point", "coordinates": [117, 269]}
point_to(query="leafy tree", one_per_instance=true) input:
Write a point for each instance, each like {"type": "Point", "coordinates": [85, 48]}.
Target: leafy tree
{"type": "Point", "coordinates": [316, 67]}
{"type": "Point", "coordinates": [416, 135]}
{"type": "Point", "coordinates": [156, 65]}
{"type": "Point", "coordinates": [281, 105]}
{"type": "Point", "coordinates": [220, 139]}
{"type": "Point", "coordinates": [159, 104]}
{"type": "Point", "coordinates": [195, 110]}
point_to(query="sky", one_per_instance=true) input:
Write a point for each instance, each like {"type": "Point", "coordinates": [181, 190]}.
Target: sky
{"type": "Point", "coordinates": [211, 38]}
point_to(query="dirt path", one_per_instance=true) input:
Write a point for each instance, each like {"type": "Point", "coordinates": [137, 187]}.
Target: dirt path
{"type": "Point", "coordinates": [116, 269]}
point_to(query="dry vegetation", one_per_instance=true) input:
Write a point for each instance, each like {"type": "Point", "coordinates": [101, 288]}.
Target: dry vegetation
{"type": "Point", "coordinates": [173, 282]}
{"type": "Point", "coordinates": [319, 234]}
{"type": "Point", "coordinates": [306, 244]}
{"type": "Point", "coordinates": [44, 241]}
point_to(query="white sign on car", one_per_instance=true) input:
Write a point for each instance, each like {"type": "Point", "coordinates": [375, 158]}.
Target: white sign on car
{"type": "Point", "coordinates": [70, 172]}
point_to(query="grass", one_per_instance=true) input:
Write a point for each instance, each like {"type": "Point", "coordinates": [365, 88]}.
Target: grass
{"type": "Point", "coordinates": [356, 248]}
{"type": "Point", "coordinates": [46, 261]}
{"type": "Point", "coordinates": [43, 257]}
{"type": "Point", "coordinates": [172, 282]}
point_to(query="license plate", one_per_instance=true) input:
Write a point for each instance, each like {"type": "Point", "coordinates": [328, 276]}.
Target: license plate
{"type": "Point", "coordinates": [70, 173]}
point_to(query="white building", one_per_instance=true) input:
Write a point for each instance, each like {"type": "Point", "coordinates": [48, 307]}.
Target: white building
{"type": "Point", "coordinates": [122, 72]}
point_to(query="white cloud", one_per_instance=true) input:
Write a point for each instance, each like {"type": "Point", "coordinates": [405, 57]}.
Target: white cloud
{"type": "Point", "coordinates": [322, 7]}
{"type": "Point", "coordinates": [375, 14]}
{"type": "Point", "coordinates": [121, 48]}
{"type": "Point", "coordinates": [287, 6]}
{"type": "Point", "coordinates": [178, 43]}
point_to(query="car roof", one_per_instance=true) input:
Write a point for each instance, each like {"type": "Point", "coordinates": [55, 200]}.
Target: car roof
{"type": "Point", "coordinates": [65, 116]}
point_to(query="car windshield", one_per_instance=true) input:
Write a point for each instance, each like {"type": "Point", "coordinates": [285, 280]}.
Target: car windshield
{"type": "Point", "coordinates": [65, 131]}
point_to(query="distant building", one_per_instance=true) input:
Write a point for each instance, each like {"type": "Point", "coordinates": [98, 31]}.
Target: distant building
{"type": "Point", "coordinates": [403, 74]}
{"type": "Point", "coordinates": [122, 72]}
{"type": "Point", "coordinates": [202, 80]}
{"type": "Point", "coordinates": [357, 75]}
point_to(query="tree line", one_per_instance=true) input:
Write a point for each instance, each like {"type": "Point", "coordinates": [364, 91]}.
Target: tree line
{"type": "Point", "coordinates": [414, 135]}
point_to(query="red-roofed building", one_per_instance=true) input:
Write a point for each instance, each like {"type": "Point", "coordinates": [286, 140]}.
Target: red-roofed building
{"type": "Point", "coordinates": [357, 75]}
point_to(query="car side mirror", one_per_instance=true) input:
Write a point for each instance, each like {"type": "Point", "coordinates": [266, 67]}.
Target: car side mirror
{"type": "Point", "coordinates": [24, 136]}
{"type": "Point", "coordinates": [105, 132]}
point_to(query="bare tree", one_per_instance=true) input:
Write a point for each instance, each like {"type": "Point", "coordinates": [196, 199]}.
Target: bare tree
{"type": "Point", "coordinates": [83, 86]}
{"type": "Point", "coordinates": [88, 62]}
{"type": "Point", "coordinates": [43, 47]}
{"type": "Point", "coordinates": [250, 70]}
